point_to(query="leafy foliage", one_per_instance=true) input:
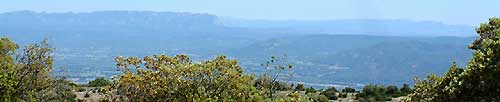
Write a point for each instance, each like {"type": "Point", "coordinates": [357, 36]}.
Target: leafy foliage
{"type": "Point", "coordinates": [99, 82]}
{"type": "Point", "coordinates": [380, 93]}
{"type": "Point", "coordinates": [405, 90]}
{"type": "Point", "coordinates": [163, 78]}
{"type": "Point", "coordinates": [299, 87]}
{"type": "Point", "coordinates": [342, 95]}
{"type": "Point", "coordinates": [269, 87]}
{"type": "Point", "coordinates": [294, 97]}
{"type": "Point", "coordinates": [330, 93]}
{"type": "Point", "coordinates": [27, 76]}
{"type": "Point", "coordinates": [310, 90]}
{"type": "Point", "coordinates": [317, 97]}
{"type": "Point", "coordinates": [275, 69]}
{"type": "Point", "coordinates": [478, 81]}
{"type": "Point", "coordinates": [348, 90]}
{"type": "Point", "coordinates": [7, 75]}
{"type": "Point", "coordinates": [370, 91]}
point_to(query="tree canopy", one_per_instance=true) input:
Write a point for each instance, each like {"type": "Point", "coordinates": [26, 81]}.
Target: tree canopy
{"type": "Point", "coordinates": [26, 77]}
{"type": "Point", "coordinates": [177, 78]}
{"type": "Point", "coordinates": [478, 81]}
{"type": "Point", "coordinates": [99, 82]}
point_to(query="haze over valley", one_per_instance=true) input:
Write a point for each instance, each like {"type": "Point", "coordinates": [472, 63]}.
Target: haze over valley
{"type": "Point", "coordinates": [352, 52]}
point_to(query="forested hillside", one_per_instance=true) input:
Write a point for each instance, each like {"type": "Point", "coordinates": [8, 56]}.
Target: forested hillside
{"type": "Point", "coordinates": [363, 59]}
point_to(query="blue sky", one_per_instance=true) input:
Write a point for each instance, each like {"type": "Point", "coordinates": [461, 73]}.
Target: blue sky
{"type": "Point", "coordinates": [460, 12]}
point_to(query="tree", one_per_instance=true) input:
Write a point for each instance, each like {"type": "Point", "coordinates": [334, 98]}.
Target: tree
{"type": "Point", "coordinates": [342, 95]}
{"type": "Point", "coordinates": [300, 87]}
{"type": "Point", "coordinates": [405, 90]}
{"type": "Point", "coordinates": [293, 97]}
{"type": "Point", "coordinates": [27, 76]}
{"type": "Point", "coordinates": [373, 90]}
{"type": "Point", "coordinates": [348, 90]}
{"type": "Point", "coordinates": [392, 90]}
{"type": "Point", "coordinates": [163, 78]}
{"type": "Point", "coordinates": [378, 92]}
{"type": "Point", "coordinates": [322, 98]}
{"type": "Point", "coordinates": [310, 90]}
{"type": "Point", "coordinates": [7, 75]}
{"type": "Point", "coordinates": [426, 90]}
{"type": "Point", "coordinates": [478, 81]}
{"type": "Point", "coordinates": [330, 93]}
{"type": "Point", "coordinates": [99, 82]}
{"type": "Point", "coordinates": [263, 83]}
{"type": "Point", "coordinates": [315, 98]}
{"type": "Point", "coordinates": [269, 81]}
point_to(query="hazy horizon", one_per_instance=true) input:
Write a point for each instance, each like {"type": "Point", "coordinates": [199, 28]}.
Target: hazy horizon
{"type": "Point", "coordinates": [448, 12]}
{"type": "Point", "coordinates": [252, 50]}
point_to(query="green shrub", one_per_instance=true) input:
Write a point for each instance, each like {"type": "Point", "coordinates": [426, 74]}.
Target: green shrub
{"type": "Point", "coordinates": [26, 76]}
{"type": "Point", "coordinates": [322, 98]}
{"type": "Point", "coordinates": [177, 78]}
{"type": "Point", "coordinates": [87, 95]}
{"type": "Point", "coordinates": [79, 89]}
{"type": "Point", "coordinates": [299, 87]}
{"type": "Point", "coordinates": [330, 93]}
{"type": "Point", "coordinates": [479, 81]}
{"type": "Point", "coordinates": [348, 90]}
{"type": "Point", "coordinates": [99, 82]}
{"type": "Point", "coordinates": [310, 90]}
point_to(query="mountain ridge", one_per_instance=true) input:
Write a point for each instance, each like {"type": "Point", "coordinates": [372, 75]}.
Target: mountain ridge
{"type": "Point", "coordinates": [319, 56]}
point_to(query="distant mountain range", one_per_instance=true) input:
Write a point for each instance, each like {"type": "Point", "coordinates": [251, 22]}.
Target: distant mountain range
{"type": "Point", "coordinates": [158, 22]}
{"type": "Point", "coordinates": [346, 52]}
{"type": "Point", "coordinates": [123, 29]}
{"type": "Point", "coordinates": [362, 58]}
{"type": "Point", "coordinates": [357, 26]}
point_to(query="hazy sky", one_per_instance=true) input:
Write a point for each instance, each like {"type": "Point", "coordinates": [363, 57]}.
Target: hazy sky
{"type": "Point", "coordinates": [461, 12]}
